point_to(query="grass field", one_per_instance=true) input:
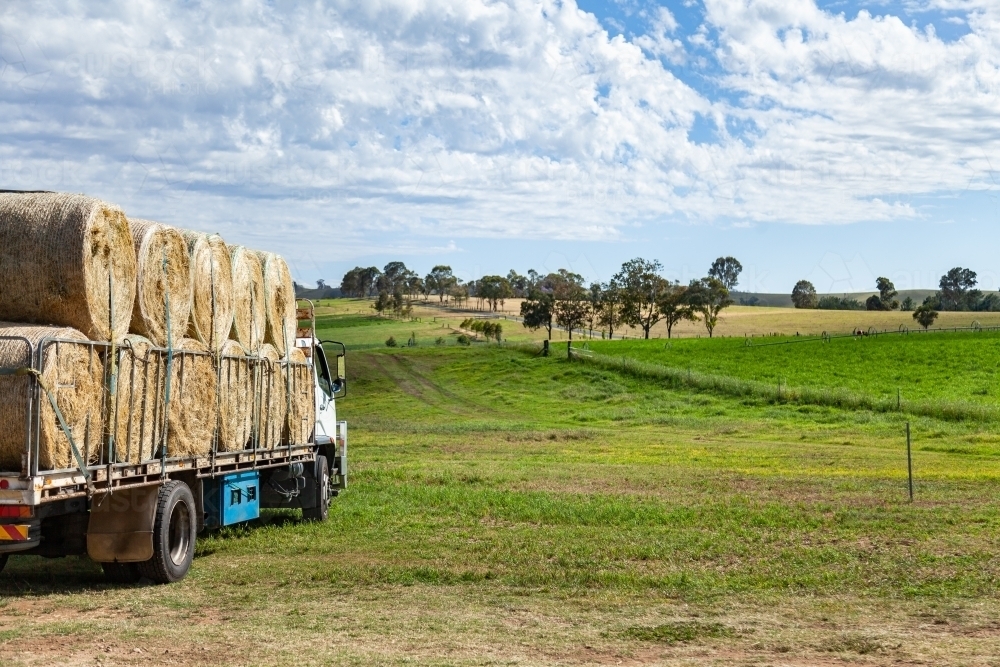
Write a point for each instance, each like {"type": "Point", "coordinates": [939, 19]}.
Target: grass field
{"type": "Point", "coordinates": [510, 509]}
{"type": "Point", "coordinates": [935, 366]}
{"type": "Point", "coordinates": [354, 323]}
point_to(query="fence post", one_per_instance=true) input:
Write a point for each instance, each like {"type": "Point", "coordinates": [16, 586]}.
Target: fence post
{"type": "Point", "coordinates": [545, 347]}
{"type": "Point", "coordinates": [909, 461]}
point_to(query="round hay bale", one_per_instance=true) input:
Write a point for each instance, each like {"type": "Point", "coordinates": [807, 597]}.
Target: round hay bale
{"type": "Point", "coordinates": [138, 411]}
{"type": "Point", "coordinates": [235, 398]}
{"type": "Point", "coordinates": [249, 316]}
{"type": "Point", "coordinates": [74, 373]}
{"type": "Point", "coordinates": [212, 283]}
{"type": "Point", "coordinates": [302, 415]}
{"type": "Point", "coordinates": [57, 252]}
{"type": "Point", "coordinates": [279, 302]}
{"type": "Point", "coordinates": [193, 410]}
{"type": "Point", "coordinates": [272, 400]}
{"type": "Point", "coordinates": [153, 242]}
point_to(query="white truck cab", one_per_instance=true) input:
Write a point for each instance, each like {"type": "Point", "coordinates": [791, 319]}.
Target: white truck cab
{"type": "Point", "coordinates": [331, 384]}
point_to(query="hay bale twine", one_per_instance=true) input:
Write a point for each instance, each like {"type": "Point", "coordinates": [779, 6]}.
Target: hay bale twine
{"type": "Point", "coordinates": [153, 242]}
{"type": "Point", "coordinates": [235, 398]}
{"type": "Point", "coordinates": [138, 412]}
{"type": "Point", "coordinates": [56, 254]}
{"type": "Point", "coordinates": [210, 268]}
{"type": "Point", "coordinates": [193, 410]}
{"type": "Point", "coordinates": [302, 417]}
{"type": "Point", "coordinates": [279, 302]}
{"type": "Point", "coordinates": [74, 373]}
{"type": "Point", "coordinates": [249, 316]}
{"type": "Point", "coordinates": [272, 401]}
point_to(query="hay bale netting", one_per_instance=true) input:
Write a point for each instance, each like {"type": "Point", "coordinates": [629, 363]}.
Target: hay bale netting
{"type": "Point", "coordinates": [138, 412]}
{"type": "Point", "coordinates": [235, 402]}
{"type": "Point", "coordinates": [74, 373]}
{"type": "Point", "coordinates": [193, 410]}
{"type": "Point", "coordinates": [57, 252]}
{"type": "Point", "coordinates": [302, 415]}
{"type": "Point", "coordinates": [153, 242]}
{"type": "Point", "coordinates": [249, 318]}
{"type": "Point", "coordinates": [211, 274]}
{"type": "Point", "coordinates": [272, 401]}
{"type": "Point", "coordinates": [279, 302]}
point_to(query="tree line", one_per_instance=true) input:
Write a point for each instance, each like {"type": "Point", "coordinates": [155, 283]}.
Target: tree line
{"type": "Point", "coordinates": [956, 292]}
{"type": "Point", "coordinates": [485, 327]}
{"type": "Point", "coordinates": [636, 296]}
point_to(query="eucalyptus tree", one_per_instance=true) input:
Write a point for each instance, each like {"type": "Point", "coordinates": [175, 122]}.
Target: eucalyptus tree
{"type": "Point", "coordinates": [641, 288]}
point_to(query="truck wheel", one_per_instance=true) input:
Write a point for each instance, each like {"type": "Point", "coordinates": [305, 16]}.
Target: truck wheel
{"type": "Point", "coordinates": [174, 530]}
{"type": "Point", "coordinates": [322, 509]}
{"type": "Point", "coordinates": [121, 573]}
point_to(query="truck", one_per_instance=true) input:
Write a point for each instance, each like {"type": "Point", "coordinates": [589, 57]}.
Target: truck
{"type": "Point", "coordinates": [142, 518]}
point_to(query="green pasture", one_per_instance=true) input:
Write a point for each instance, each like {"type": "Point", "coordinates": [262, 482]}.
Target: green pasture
{"type": "Point", "coordinates": [963, 366]}
{"type": "Point", "coordinates": [354, 323]}
{"type": "Point", "coordinates": [370, 330]}
{"type": "Point", "coordinates": [508, 508]}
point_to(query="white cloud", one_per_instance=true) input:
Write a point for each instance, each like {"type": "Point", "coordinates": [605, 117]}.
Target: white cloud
{"type": "Point", "coordinates": [348, 122]}
{"type": "Point", "coordinates": [661, 43]}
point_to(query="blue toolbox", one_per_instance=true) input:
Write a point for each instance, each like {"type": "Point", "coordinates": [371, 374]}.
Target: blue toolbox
{"type": "Point", "coordinates": [232, 498]}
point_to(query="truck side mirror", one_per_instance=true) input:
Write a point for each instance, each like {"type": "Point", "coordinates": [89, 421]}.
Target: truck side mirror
{"type": "Point", "coordinates": [338, 383]}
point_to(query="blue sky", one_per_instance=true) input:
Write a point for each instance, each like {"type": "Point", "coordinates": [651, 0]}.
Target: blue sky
{"type": "Point", "coordinates": [835, 141]}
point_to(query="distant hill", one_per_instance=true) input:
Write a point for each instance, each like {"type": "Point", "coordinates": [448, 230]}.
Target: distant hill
{"type": "Point", "coordinates": [785, 300]}
{"type": "Point", "coordinates": [303, 292]}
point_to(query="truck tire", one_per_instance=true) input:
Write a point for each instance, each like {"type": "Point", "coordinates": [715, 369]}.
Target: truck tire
{"type": "Point", "coordinates": [121, 573]}
{"type": "Point", "coordinates": [174, 530]}
{"type": "Point", "coordinates": [322, 476]}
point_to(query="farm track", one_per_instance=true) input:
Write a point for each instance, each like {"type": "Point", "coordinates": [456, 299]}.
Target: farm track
{"type": "Point", "coordinates": [403, 373]}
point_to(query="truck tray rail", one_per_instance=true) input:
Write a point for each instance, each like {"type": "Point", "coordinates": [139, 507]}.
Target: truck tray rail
{"type": "Point", "coordinates": [101, 462]}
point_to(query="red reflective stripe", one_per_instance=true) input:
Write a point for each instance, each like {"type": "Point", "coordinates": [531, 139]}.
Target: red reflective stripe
{"type": "Point", "coordinates": [13, 532]}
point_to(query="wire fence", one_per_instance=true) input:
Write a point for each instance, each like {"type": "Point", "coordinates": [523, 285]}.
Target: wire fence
{"type": "Point", "coordinates": [871, 332]}
{"type": "Point", "coordinates": [779, 392]}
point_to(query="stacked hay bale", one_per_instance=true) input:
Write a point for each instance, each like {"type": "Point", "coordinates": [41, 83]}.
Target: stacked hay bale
{"type": "Point", "coordinates": [145, 417]}
{"type": "Point", "coordinates": [249, 315]}
{"type": "Point", "coordinates": [212, 285]}
{"type": "Point", "coordinates": [69, 261]}
{"type": "Point", "coordinates": [163, 273]}
{"type": "Point", "coordinates": [271, 398]}
{"type": "Point", "coordinates": [78, 263]}
{"type": "Point", "coordinates": [302, 406]}
{"type": "Point", "coordinates": [279, 303]}
{"type": "Point", "coordinates": [73, 373]}
{"type": "Point", "coordinates": [136, 413]}
{"type": "Point", "coordinates": [192, 413]}
{"type": "Point", "coordinates": [236, 389]}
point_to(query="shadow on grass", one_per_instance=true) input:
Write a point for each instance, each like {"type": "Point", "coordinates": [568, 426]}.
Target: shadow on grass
{"type": "Point", "coordinates": [276, 518]}
{"type": "Point", "coordinates": [36, 576]}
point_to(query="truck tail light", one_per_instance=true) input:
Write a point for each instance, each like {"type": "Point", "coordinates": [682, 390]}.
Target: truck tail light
{"type": "Point", "coordinates": [15, 511]}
